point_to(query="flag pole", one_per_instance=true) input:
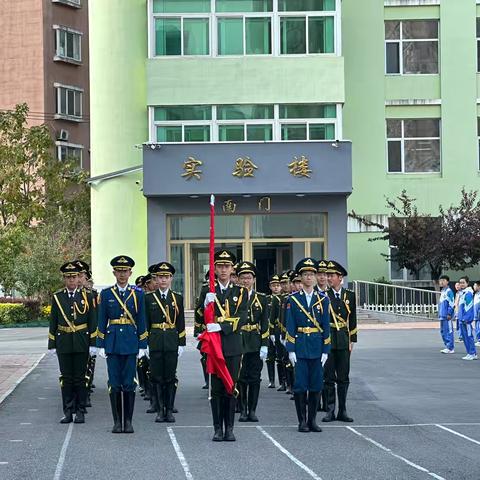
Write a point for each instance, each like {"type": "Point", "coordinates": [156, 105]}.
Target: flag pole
{"type": "Point", "coordinates": [211, 271]}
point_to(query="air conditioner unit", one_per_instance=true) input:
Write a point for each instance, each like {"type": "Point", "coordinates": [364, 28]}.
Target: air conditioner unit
{"type": "Point", "coordinates": [63, 135]}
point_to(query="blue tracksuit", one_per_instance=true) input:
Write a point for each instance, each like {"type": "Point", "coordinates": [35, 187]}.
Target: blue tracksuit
{"type": "Point", "coordinates": [445, 314]}
{"type": "Point", "coordinates": [465, 317]}
{"type": "Point", "coordinates": [121, 333]}
{"type": "Point", "coordinates": [476, 314]}
{"type": "Point", "coordinates": [308, 335]}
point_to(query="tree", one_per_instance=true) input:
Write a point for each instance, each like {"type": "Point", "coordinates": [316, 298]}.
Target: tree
{"type": "Point", "coordinates": [44, 207]}
{"type": "Point", "coordinates": [449, 240]}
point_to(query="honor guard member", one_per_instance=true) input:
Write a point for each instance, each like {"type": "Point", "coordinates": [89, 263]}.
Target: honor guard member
{"type": "Point", "coordinates": [308, 344]}
{"type": "Point", "coordinates": [121, 338]}
{"type": "Point", "coordinates": [273, 306]}
{"type": "Point", "coordinates": [83, 284]}
{"type": "Point", "coordinates": [255, 335]}
{"type": "Point", "coordinates": [199, 328]}
{"type": "Point", "coordinates": [230, 304]}
{"type": "Point", "coordinates": [322, 286]}
{"type": "Point", "coordinates": [72, 336]}
{"type": "Point", "coordinates": [280, 340]}
{"type": "Point", "coordinates": [343, 326]}
{"type": "Point", "coordinates": [165, 321]}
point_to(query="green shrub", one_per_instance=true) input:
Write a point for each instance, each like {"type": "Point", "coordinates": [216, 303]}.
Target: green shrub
{"type": "Point", "coordinates": [13, 313]}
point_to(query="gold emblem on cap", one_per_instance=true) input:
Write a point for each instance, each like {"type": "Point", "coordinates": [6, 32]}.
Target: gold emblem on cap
{"type": "Point", "coordinates": [224, 254]}
{"type": "Point", "coordinates": [309, 262]}
{"type": "Point", "coordinates": [70, 266]}
{"type": "Point", "coordinates": [122, 260]}
{"type": "Point", "coordinates": [331, 265]}
{"type": "Point", "coordinates": [164, 266]}
{"type": "Point", "coordinates": [322, 264]}
{"type": "Point", "coordinates": [245, 265]}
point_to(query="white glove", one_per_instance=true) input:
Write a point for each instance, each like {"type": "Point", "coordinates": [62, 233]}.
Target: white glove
{"type": "Point", "coordinates": [209, 298]}
{"type": "Point", "coordinates": [213, 327]}
{"type": "Point", "coordinates": [180, 351]}
{"type": "Point", "coordinates": [142, 353]}
{"type": "Point", "coordinates": [92, 351]}
{"type": "Point", "coordinates": [293, 358]}
{"type": "Point", "coordinates": [324, 359]}
{"type": "Point", "coordinates": [263, 352]}
{"type": "Point", "coordinates": [52, 351]}
{"type": "Point", "coordinates": [101, 352]}
{"type": "Point", "coordinates": [272, 339]}
{"type": "Point", "coordinates": [283, 341]}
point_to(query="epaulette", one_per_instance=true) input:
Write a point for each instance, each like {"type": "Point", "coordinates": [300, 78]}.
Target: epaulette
{"type": "Point", "coordinates": [59, 291]}
{"type": "Point", "coordinates": [260, 294]}
{"type": "Point", "coordinates": [148, 293]}
{"type": "Point", "coordinates": [176, 293]}
{"type": "Point", "coordinates": [138, 289]}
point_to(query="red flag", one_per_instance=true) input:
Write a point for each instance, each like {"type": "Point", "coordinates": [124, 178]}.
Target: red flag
{"type": "Point", "coordinates": [211, 341]}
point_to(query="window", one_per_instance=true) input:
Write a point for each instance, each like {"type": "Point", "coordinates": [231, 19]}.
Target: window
{"type": "Point", "coordinates": [68, 44]}
{"type": "Point", "coordinates": [413, 146]}
{"type": "Point", "coordinates": [319, 126]}
{"type": "Point", "coordinates": [402, 274]}
{"type": "Point", "coordinates": [67, 152]}
{"type": "Point", "coordinates": [478, 44]}
{"type": "Point", "coordinates": [411, 47]}
{"type": "Point", "coordinates": [243, 27]}
{"type": "Point", "coordinates": [70, 3]}
{"type": "Point", "coordinates": [69, 102]}
{"type": "Point", "coordinates": [240, 123]}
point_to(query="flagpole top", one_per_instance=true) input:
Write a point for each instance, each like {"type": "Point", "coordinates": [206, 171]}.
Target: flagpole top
{"type": "Point", "coordinates": [212, 200]}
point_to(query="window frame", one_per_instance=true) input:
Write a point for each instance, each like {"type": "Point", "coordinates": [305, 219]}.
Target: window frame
{"type": "Point", "coordinates": [275, 19]}
{"type": "Point", "coordinates": [69, 3]}
{"type": "Point", "coordinates": [61, 144]}
{"type": "Point", "coordinates": [400, 42]}
{"type": "Point", "coordinates": [402, 141]}
{"type": "Point", "coordinates": [66, 116]}
{"type": "Point", "coordinates": [59, 29]}
{"type": "Point", "coordinates": [276, 123]}
{"type": "Point", "coordinates": [477, 35]}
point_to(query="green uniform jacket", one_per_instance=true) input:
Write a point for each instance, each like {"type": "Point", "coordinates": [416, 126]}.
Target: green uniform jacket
{"type": "Point", "coordinates": [343, 319]}
{"type": "Point", "coordinates": [72, 322]}
{"type": "Point", "coordinates": [274, 315]}
{"type": "Point", "coordinates": [281, 318]}
{"type": "Point", "coordinates": [165, 321]}
{"type": "Point", "coordinates": [230, 314]}
{"type": "Point", "coordinates": [255, 332]}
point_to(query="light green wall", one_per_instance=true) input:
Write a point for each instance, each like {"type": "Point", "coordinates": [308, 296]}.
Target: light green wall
{"type": "Point", "coordinates": [413, 13]}
{"type": "Point", "coordinates": [118, 119]}
{"type": "Point", "coordinates": [412, 87]}
{"type": "Point", "coordinates": [245, 80]}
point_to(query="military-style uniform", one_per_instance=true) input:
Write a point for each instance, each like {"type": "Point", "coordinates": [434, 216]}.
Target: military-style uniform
{"type": "Point", "coordinates": [231, 314]}
{"type": "Point", "coordinates": [165, 320]}
{"type": "Point", "coordinates": [255, 335]}
{"type": "Point", "coordinates": [122, 336]}
{"type": "Point", "coordinates": [272, 327]}
{"type": "Point", "coordinates": [71, 333]}
{"type": "Point", "coordinates": [343, 324]}
{"type": "Point", "coordinates": [308, 336]}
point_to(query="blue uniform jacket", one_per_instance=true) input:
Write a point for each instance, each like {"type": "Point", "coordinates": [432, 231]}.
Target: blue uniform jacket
{"type": "Point", "coordinates": [465, 306]}
{"type": "Point", "coordinates": [476, 306]}
{"type": "Point", "coordinates": [116, 333]}
{"type": "Point", "coordinates": [298, 316]}
{"type": "Point", "coordinates": [446, 304]}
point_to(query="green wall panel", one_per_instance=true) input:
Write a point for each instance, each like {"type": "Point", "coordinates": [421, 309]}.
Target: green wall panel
{"type": "Point", "coordinates": [407, 87]}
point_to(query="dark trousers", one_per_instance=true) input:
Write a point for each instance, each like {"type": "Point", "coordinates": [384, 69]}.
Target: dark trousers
{"type": "Point", "coordinates": [251, 370]}
{"type": "Point", "coordinates": [73, 367]}
{"type": "Point", "coordinates": [121, 372]}
{"type": "Point", "coordinates": [163, 367]}
{"type": "Point", "coordinates": [308, 375]}
{"type": "Point", "coordinates": [337, 368]}
{"type": "Point", "coordinates": [233, 366]}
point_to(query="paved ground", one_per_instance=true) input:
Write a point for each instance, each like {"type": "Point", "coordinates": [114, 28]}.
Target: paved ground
{"type": "Point", "coordinates": [415, 416]}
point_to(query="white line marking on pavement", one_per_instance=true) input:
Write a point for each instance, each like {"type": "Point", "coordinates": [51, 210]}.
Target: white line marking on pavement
{"type": "Point", "coordinates": [26, 423]}
{"type": "Point", "coordinates": [21, 379]}
{"type": "Point", "coordinates": [15, 440]}
{"type": "Point", "coordinates": [458, 434]}
{"type": "Point", "coordinates": [403, 459]}
{"type": "Point", "coordinates": [33, 409]}
{"type": "Point", "coordinates": [3, 463]}
{"type": "Point", "coordinates": [63, 453]}
{"type": "Point", "coordinates": [289, 455]}
{"type": "Point", "coordinates": [180, 455]}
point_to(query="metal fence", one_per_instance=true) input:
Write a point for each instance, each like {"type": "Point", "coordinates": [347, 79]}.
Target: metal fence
{"type": "Point", "coordinates": [396, 299]}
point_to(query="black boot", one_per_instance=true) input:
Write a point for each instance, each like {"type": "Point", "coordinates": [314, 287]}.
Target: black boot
{"type": "Point", "coordinates": [67, 401]}
{"type": "Point", "coordinates": [289, 380]}
{"type": "Point", "coordinates": [148, 389]}
{"type": "Point", "coordinates": [271, 373]}
{"type": "Point", "coordinates": [281, 377]}
{"type": "Point", "coordinates": [128, 405]}
{"type": "Point", "coordinates": [153, 399]}
{"type": "Point", "coordinates": [253, 393]}
{"type": "Point", "coordinates": [342, 402]}
{"type": "Point", "coordinates": [169, 390]}
{"type": "Point", "coordinates": [242, 402]}
{"type": "Point", "coordinates": [301, 408]}
{"type": "Point", "coordinates": [313, 399]}
{"type": "Point", "coordinates": [322, 404]}
{"type": "Point", "coordinates": [175, 387]}
{"type": "Point", "coordinates": [229, 418]}
{"type": "Point", "coordinates": [203, 361]}
{"type": "Point", "coordinates": [330, 397]}
{"type": "Point", "coordinates": [81, 395]}
{"type": "Point", "coordinates": [116, 404]}
{"type": "Point", "coordinates": [161, 403]}
{"type": "Point", "coordinates": [216, 404]}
